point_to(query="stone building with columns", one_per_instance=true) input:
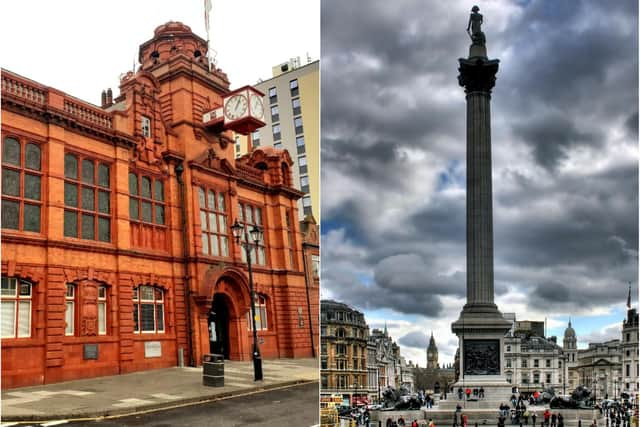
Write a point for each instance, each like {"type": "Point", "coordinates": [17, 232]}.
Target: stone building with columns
{"type": "Point", "coordinates": [343, 356]}
{"type": "Point", "coordinates": [629, 353]}
{"type": "Point", "coordinates": [117, 252]}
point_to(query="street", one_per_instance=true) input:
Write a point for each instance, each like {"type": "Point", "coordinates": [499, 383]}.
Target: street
{"type": "Point", "coordinates": [291, 406]}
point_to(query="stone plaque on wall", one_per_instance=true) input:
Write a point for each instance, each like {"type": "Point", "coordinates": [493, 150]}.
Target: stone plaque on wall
{"type": "Point", "coordinates": [481, 357]}
{"type": "Point", "coordinates": [90, 351]}
{"type": "Point", "coordinates": [152, 349]}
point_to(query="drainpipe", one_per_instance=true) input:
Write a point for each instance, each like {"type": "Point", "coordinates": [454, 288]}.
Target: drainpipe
{"type": "Point", "coordinates": [306, 285]}
{"type": "Point", "coordinates": [185, 256]}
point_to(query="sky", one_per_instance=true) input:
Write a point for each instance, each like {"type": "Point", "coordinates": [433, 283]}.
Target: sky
{"type": "Point", "coordinates": [82, 47]}
{"type": "Point", "coordinates": [565, 164]}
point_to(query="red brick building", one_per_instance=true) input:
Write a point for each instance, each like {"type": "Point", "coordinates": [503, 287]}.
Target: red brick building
{"type": "Point", "coordinates": [117, 253]}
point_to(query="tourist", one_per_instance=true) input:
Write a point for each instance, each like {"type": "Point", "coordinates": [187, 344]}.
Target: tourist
{"type": "Point", "coordinates": [481, 393]}
{"type": "Point", "coordinates": [526, 416]}
{"type": "Point", "coordinates": [533, 418]}
{"type": "Point", "coordinates": [547, 417]}
{"type": "Point", "coordinates": [468, 393]}
{"type": "Point", "coordinates": [560, 420]}
{"type": "Point", "coordinates": [554, 418]}
{"type": "Point", "coordinates": [414, 423]}
{"type": "Point", "coordinates": [431, 423]}
{"type": "Point", "coordinates": [594, 424]}
{"type": "Point", "coordinates": [464, 420]}
{"type": "Point", "coordinates": [460, 393]}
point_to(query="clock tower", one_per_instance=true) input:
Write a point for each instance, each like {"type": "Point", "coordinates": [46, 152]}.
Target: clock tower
{"type": "Point", "coordinates": [432, 354]}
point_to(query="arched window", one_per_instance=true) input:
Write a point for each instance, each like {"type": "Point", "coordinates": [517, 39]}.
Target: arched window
{"type": "Point", "coordinates": [146, 199]}
{"type": "Point", "coordinates": [248, 217]}
{"type": "Point", "coordinates": [261, 314]}
{"type": "Point", "coordinates": [148, 309]}
{"type": "Point", "coordinates": [87, 198]}
{"type": "Point", "coordinates": [102, 310]}
{"type": "Point", "coordinates": [72, 315]}
{"type": "Point", "coordinates": [21, 185]}
{"type": "Point", "coordinates": [15, 306]}
{"type": "Point", "coordinates": [70, 310]}
{"type": "Point", "coordinates": [213, 222]}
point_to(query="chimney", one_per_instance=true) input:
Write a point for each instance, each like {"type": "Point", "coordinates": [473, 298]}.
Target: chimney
{"type": "Point", "coordinates": [104, 99]}
{"type": "Point", "coordinates": [109, 97]}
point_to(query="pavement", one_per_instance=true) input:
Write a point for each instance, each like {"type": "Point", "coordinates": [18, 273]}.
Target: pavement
{"type": "Point", "coordinates": [147, 391]}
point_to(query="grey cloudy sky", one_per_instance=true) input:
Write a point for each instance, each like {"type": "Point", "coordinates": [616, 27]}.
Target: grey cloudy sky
{"type": "Point", "coordinates": [565, 163]}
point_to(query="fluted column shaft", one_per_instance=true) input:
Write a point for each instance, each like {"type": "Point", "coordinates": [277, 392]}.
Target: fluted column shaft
{"type": "Point", "coordinates": [479, 200]}
{"type": "Point", "coordinates": [478, 77]}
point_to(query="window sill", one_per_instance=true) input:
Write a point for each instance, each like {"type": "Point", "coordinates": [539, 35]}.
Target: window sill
{"type": "Point", "coordinates": [156, 336]}
{"type": "Point", "coordinates": [73, 339]}
{"type": "Point", "coordinates": [22, 342]}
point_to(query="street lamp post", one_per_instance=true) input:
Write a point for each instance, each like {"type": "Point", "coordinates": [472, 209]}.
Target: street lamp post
{"type": "Point", "coordinates": [256, 235]}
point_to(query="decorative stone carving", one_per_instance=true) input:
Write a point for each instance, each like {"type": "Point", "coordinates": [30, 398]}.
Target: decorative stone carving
{"type": "Point", "coordinates": [478, 75]}
{"type": "Point", "coordinates": [482, 357]}
{"type": "Point", "coordinates": [89, 308]}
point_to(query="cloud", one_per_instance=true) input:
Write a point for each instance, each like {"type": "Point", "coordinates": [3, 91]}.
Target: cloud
{"type": "Point", "coordinates": [414, 339]}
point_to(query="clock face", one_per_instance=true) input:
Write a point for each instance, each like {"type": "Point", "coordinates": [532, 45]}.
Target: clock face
{"type": "Point", "coordinates": [235, 107]}
{"type": "Point", "coordinates": [257, 109]}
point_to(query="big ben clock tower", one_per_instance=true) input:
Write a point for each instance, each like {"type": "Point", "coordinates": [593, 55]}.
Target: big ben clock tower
{"type": "Point", "coordinates": [432, 354]}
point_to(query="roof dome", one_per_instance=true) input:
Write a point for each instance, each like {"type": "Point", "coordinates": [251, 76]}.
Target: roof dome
{"type": "Point", "coordinates": [569, 332]}
{"type": "Point", "coordinates": [172, 27]}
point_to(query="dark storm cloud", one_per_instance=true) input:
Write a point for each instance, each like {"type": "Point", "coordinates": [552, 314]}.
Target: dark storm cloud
{"type": "Point", "coordinates": [564, 127]}
{"type": "Point", "coordinates": [632, 124]}
{"type": "Point", "coordinates": [444, 219]}
{"type": "Point", "coordinates": [561, 296]}
{"type": "Point", "coordinates": [414, 339]}
{"type": "Point", "coordinates": [551, 138]}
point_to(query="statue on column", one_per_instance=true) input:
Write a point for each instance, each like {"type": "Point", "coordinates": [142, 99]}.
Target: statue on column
{"type": "Point", "coordinates": [475, 21]}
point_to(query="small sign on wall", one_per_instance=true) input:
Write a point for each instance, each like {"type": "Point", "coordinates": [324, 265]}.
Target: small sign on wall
{"type": "Point", "coordinates": [90, 351]}
{"type": "Point", "coordinates": [152, 349]}
{"type": "Point", "coordinates": [261, 340]}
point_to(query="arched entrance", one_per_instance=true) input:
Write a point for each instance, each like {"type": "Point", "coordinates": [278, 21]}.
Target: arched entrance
{"type": "Point", "coordinates": [219, 326]}
{"type": "Point", "coordinates": [222, 304]}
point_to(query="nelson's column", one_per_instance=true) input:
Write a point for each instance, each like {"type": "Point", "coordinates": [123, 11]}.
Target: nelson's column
{"type": "Point", "coordinates": [481, 326]}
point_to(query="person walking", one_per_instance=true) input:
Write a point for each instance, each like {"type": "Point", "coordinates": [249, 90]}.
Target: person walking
{"type": "Point", "coordinates": [554, 418]}
{"type": "Point", "coordinates": [414, 423]}
{"type": "Point", "coordinates": [526, 414]}
{"type": "Point", "coordinates": [431, 423]}
{"type": "Point", "coordinates": [547, 417]}
{"type": "Point", "coordinates": [464, 420]}
{"type": "Point", "coordinates": [560, 420]}
{"type": "Point", "coordinates": [594, 424]}
{"type": "Point", "coordinates": [533, 418]}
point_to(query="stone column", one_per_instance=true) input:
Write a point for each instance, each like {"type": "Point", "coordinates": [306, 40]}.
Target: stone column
{"type": "Point", "coordinates": [481, 327]}
{"type": "Point", "coordinates": [477, 76]}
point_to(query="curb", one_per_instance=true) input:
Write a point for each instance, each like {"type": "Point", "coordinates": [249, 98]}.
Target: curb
{"type": "Point", "coordinates": [153, 407]}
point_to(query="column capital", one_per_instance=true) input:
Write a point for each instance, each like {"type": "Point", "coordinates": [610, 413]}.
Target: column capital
{"type": "Point", "coordinates": [478, 75]}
